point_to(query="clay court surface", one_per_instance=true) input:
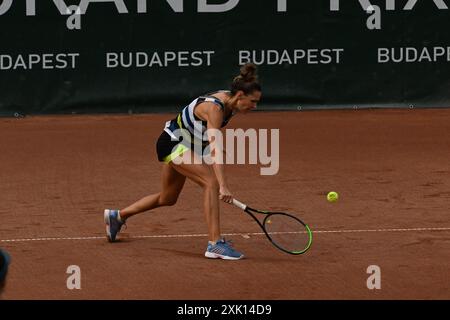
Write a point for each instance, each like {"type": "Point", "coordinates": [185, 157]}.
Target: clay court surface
{"type": "Point", "coordinates": [390, 167]}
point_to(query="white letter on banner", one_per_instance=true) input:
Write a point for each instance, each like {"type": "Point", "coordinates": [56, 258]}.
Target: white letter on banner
{"type": "Point", "coordinates": [203, 6]}
{"type": "Point", "coordinates": [338, 54]}
{"type": "Point", "coordinates": [411, 55]}
{"type": "Point", "coordinates": [112, 60]}
{"type": "Point", "coordinates": [410, 4]}
{"type": "Point", "coordinates": [73, 56]}
{"type": "Point", "coordinates": [31, 7]}
{"type": "Point", "coordinates": [3, 65]}
{"type": "Point", "coordinates": [4, 7]}
{"type": "Point", "coordinates": [60, 5]}
{"type": "Point", "coordinates": [390, 4]}
{"type": "Point", "coordinates": [439, 3]}
{"type": "Point", "coordinates": [440, 54]}
{"type": "Point", "coordinates": [142, 6]}
{"type": "Point", "coordinates": [282, 6]}
{"type": "Point", "coordinates": [244, 57]}
{"type": "Point", "coordinates": [365, 4]}
{"type": "Point", "coordinates": [176, 5]}
{"type": "Point", "coordinates": [272, 57]}
{"type": "Point", "coordinates": [383, 55]}
{"type": "Point", "coordinates": [120, 5]}
{"type": "Point", "coordinates": [335, 4]}
{"type": "Point", "coordinates": [208, 57]}
{"type": "Point", "coordinates": [34, 59]}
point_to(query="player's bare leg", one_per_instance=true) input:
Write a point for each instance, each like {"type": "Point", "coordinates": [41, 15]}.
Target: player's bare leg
{"type": "Point", "coordinates": [203, 175]}
{"type": "Point", "coordinates": [172, 184]}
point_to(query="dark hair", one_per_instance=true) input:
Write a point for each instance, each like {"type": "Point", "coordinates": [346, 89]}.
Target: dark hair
{"type": "Point", "coordinates": [246, 81]}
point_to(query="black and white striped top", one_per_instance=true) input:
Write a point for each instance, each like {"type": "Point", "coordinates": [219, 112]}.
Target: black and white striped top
{"type": "Point", "coordinates": [196, 127]}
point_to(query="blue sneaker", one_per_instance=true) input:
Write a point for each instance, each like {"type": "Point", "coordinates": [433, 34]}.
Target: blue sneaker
{"type": "Point", "coordinates": [4, 262]}
{"type": "Point", "coordinates": [223, 250]}
{"type": "Point", "coordinates": [113, 224]}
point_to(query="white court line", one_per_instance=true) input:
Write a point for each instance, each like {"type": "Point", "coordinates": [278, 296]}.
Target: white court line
{"type": "Point", "coordinates": [228, 234]}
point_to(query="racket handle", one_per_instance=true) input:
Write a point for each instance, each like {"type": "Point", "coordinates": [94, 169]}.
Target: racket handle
{"type": "Point", "coordinates": [239, 204]}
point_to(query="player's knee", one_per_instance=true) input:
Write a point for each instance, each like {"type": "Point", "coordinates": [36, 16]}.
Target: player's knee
{"type": "Point", "coordinates": [167, 200]}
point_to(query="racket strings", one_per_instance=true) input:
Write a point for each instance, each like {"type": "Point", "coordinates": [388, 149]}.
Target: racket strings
{"type": "Point", "coordinates": [288, 233]}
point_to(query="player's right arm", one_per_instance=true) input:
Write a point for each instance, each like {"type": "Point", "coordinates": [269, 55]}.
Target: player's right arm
{"type": "Point", "coordinates": [214, 117]}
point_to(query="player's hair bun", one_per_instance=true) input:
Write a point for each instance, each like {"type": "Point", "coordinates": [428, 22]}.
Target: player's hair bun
{"type": "Point", "coordinates": [248, 73]}
{"type": "Point", "coordinates": [247, 80]}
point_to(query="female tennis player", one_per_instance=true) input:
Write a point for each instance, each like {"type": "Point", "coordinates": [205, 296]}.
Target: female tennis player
{"type": "Point", "coordinates": [181, 159]}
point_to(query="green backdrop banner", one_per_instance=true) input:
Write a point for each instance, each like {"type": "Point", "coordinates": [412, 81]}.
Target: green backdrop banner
{"type": "Point", "coordinates": [89, 56]}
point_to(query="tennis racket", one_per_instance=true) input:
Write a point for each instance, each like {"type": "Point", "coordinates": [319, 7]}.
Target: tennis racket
{"type": "Point", "coordinates": [284, 231]}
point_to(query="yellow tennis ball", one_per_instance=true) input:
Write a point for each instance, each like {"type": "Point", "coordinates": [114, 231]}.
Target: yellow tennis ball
{"type": "Point", "coordinates": [332, 196]}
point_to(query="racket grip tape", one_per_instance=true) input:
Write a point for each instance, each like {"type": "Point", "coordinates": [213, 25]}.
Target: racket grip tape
{"type": "Point", "coordinates": [239, 204]}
